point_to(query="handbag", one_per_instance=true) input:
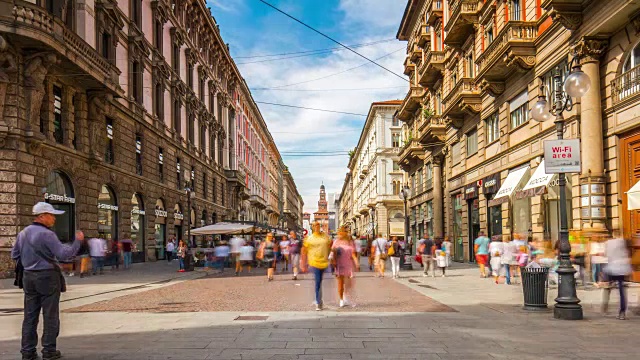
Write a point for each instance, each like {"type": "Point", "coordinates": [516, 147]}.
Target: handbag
{"type": "Point", "coordinates": [383, 254]}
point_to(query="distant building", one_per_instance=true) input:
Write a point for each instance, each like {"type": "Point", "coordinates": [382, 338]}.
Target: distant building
{"type": "Point", "coordinates": [322, 215]}
{"type": "Point", "coordinates": [332, 208]}
{"type": "Point", "coordinates": [306, 221]}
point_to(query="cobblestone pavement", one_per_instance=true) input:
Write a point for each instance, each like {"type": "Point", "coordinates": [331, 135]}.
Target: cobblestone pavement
{"type": "Point", "coordinates": [487, 323]}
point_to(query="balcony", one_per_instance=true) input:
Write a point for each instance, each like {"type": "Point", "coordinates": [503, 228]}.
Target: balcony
{"type": "Point", "coordinates": [513, 49]}
{"type": "Point", "coordinates": [411, 103]}
{"type": "Point", "coordinates": [464, 14]}
{"type": "Point", "coordinates": [409, 67]}
{"type": "Point", "coordinates": [258, 201]}
{"type": "Point", "coordinates": [432, 129]}
{"type": "Point", "coordinates": [434, 11]}
{"type": "Point", "coordinates": [626, 86]}
{"type": "Point", "coordinates": [236, 179]}
{"type": "Point", "coordinates": [41, 31]}
{"type": "Point", "coordinates": [424, 37]}
{"type": "Point", "coordinates": [430, 70]}
{"type": "Point", "coordinates": [463, 98]}
{"type": "Point", "coordinates": [411, 154]}
{"type": "Point", "coordinates": [416, 53]}
{"type": "Point", "coordinates": [364, 171]}
{"type": "Point", "coordinates": [271, 209]}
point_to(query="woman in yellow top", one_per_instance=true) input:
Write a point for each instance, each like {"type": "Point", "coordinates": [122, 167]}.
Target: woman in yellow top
{"type": "Point", "coordinates": [315, 250]}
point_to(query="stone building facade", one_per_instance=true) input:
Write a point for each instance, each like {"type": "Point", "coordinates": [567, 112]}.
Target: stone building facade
{"type": "Point", "coordinates": [110, 111]}
{"type": "Point", "coordinates": [476, 69]}
{"type": "Point", "coordinates": [292, 217]}
{"type": "Point", "coordinates": [370, 199]}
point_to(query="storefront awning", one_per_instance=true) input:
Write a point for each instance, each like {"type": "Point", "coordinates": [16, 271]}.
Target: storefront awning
{"type": "Point", "coordinates": [508, 186]}
{"type": "Point", "coordinates": [633, 197]}
{"type": "Point", "coordinates": [538, 183]}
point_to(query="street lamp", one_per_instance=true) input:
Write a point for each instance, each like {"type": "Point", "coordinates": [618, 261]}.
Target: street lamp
{"type": "Point", "coordinates": [577, 84]}
{"type": "Point", "coordinates": [243, 213]}
{"type": "Point", "coordinates": [406, 259]}
{"type": "Point", "coordinates": [373, 222]}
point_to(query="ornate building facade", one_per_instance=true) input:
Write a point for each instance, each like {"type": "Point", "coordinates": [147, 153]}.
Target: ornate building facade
{"type": "Point", "coordinates": [293, 204]}
{"type": "Point", "coordinates": [370, 199]}
{"type": "Point", "coordinates": [114, 112]}
{"type": "Point", "coordinates": [476, 68]}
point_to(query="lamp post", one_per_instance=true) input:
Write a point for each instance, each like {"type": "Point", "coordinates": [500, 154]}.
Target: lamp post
{"type": "Point", "coordinates": [406, 259]}
{"type": "Point", "coordinates": [373, 222]}
{"type": "Point", "coordinates": [577, 84]}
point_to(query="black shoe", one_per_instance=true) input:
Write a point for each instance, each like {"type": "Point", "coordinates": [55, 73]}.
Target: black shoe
{"type": "Point", "coordinates": [51, 355]}
{"type": "Point", "coordinates": [30, 356]}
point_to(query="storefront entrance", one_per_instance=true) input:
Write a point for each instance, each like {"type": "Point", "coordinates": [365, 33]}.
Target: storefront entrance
{"type": "Point", "coordinates": [138, 225]}
{"type": "Point", "coordinates": [473, 211]}
{"type": "Point", "coordinates": [629, 176]}
{"type": "Point", "coordinates": [458, 241]}
{"type": "Point", "coordinates": [107, 214]}
{"type": "Point", "coordinates": [160, 230]}
{"type": "Point", "coordinates": [490, 186]}
{"type": "Point", "coordinates": [59, 193]}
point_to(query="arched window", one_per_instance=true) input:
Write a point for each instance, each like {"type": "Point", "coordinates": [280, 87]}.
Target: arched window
{"type": "Point", "coordinates": [160, 226]}
{"type": "Point", "coordinates": [178, 218]}
{"type": "Point", "coordinates": [59, 193]}
{"type": "Point", "coordinates": [137, 227]}
{"type": "Point", "coordinates": [633, 60]}
{"type": "Point", "coordinates": [107, 214]}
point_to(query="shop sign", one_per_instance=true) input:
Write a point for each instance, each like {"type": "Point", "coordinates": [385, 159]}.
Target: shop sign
{"type": "Point", "coordinates": [598, 212]}
{"type": "Point", "coordinates": [108, 207]}
{"type": "Point", "coordinates": [396, 227]}
{"type": "Point", "coordinates": [562, 156]}
{"type": "Point", "coordinates": [60, 198]}
{"type": "Point", "coordinates": [491, 184]}
{"type": "Point", "coordinates": [138, 211]}
{"type": "Point", "coordinates": [178, 216]}
{"type": "Point", "coordinates": [470, 191]}
{"type": "Point", "coordinates": [161, 213]}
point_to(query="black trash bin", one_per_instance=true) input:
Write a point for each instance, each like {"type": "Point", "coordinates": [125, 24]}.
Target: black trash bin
{"type": "Point", "coordinates": [189, 264]}
{"type": "Point", "coordinates": [534, 287]}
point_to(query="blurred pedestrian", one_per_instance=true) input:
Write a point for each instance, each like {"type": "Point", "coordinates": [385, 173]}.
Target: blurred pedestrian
{"type": "Point", "coordinates": [181, 254]}
{"type": "Point", "coordinates": [85, 259]}
{"type": "Point", "coordinates": [284, 249]}
{"type": "Point", "coordinates": [246, 257]}
{"type": "Point", "coordinates": [39, 251]}
{"type": "Point", "coordinates": [222, 252]}
{"type": "Point", "coordinates": [97, 249]}
{"type": "Point", "coordinates": [426, 252]}
{"type": "Point", "coordinates": [395, 252]}
{"type": "Point", "coordinates": [176, 243]}
{"type": "Point", "coordinates": [508, 258]}
{"type": "Point", "coordinates": [114, 255]}
{"type": "Point", "coordinates": [267, 254]}
{"type": "Point", "coordinates": [496, 248]}
{"type": "Point", "coordinates": [440, 255]}
{"type": "Point", "coordinates": [169, 251]}
{"type": "Point", "coordinates": [236, 243]}
{"type": "Point", "coordinates": [294, 253]}
{"type": "Point", "coordinates": [344, 252]}
{"type": "Point", "coordinates": [598, 260]}
{"type": "Point", "coordinates": [618, 267]}
{"type": "Point", "coordinates": [481, 248]}
{"type": "Point", "coordinates": [127, 247]}
{"type": "Point", "coordinates": [447, 249]}
{"type": "Point", "coordinates": [315, 251]}
{"type": "Point", "coordinates": [380, 258]}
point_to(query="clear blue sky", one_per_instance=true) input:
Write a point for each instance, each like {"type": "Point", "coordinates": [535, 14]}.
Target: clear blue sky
{"type": "Point", "coordinates": [252, 30]}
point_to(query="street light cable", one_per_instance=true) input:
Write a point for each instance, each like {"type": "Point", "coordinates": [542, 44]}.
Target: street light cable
{"type": "Point", "coordinates": [308, 108]}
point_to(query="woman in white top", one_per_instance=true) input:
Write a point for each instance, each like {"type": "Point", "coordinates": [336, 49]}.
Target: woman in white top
{"type": "Point", "coordinates": [284, 248]}
{"type": "Point", "coordinates": [507, 258]}
{"type": "Point", "coordinates": [496, 248]}
{"type": "Point", "coordinates": [618, 267]}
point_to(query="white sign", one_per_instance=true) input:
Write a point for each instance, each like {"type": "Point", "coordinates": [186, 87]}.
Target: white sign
{"type": "Point", "coordinates": [539, 178]}
{"type": "Point", "coordinates": [138, 211]}
{"type": "Point", "coordinates": [161, 213]}
{"type": "Point", "coordinates": [108, 207]}
{"type": "Point", "coordinates": [562, 156]}
{"type": "Point", "coordinates": [178, 216]}
{"type": "Point", "coordinates": [60, 198]}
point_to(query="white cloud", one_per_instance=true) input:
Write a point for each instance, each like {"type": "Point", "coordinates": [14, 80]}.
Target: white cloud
{"type": "Point", "coordinates": [233, 6]}
{"type": "Point", "coordinates": [379, 14]}
{"type": "Point", "coordinates": [315, 127]}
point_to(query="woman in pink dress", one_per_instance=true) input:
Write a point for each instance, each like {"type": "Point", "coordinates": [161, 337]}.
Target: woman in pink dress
{"type": "Point", "coordinates": [345, 258]}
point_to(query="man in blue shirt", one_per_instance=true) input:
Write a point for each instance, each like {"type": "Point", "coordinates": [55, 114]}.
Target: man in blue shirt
{"type": "Point", "coordinates": [39, 251]}
{"type": "Point", "coordinates": [481, 246]}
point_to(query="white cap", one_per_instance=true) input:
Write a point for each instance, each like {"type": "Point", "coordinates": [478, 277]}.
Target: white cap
{"type": "Point", "coordinates": [45, 208]}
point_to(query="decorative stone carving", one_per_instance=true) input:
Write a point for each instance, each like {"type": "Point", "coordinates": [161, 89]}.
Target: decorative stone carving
{"type": "Point", "coordinates": [34, 74]}
{"type": "Point", "coordinates": [97, 109]}
{"type": "Point", "coordinates": [493, 88]}
{"type": "Point", "coordinates": [570, 20]}
{"type": "Point", "coordinates": [520, 62]}
{"type": "Point", "coordinates": [7, 66]}
{"type": "Point", "coordinates": [591, 48]}
{"type": "Point", "coordinates": [635, 21]}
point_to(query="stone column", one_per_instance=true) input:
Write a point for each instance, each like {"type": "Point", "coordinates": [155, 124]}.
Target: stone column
{"type": "Point", "coordinates": [590, 49]}
{"type": "Point", "coordinates": [438, 198]}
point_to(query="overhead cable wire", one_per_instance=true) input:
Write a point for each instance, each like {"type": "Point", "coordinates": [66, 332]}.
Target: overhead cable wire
{"type": "Point", "coordinates": [334, 40]}
{"type": "Point", "coordinates": [320, 90]}
{"type": "Point", "coordinates": [308, 108]}
{"type": "Point", "coordinates": [311, 51]}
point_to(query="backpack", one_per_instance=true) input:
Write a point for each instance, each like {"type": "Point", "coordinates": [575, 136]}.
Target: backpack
{"type": "Point", "coordinates": [391, 251]}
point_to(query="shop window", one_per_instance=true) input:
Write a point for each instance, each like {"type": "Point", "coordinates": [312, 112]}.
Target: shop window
{"type": "Point", "coordinates": [138, 154]}
{"type": "Point", "coordinates": [108, 153]}
{"type": "Point", "coordinates": [492, 128]}
{"type": "Point", "coordinates": [519, 110]}
{"type": "Point", "coordinates": [472, 142]}
{"type": "Point", "coordinates": [161, 164]}
{"type": "Point", "coordinates": [138, 225]}
{"type": "Point", "coordinates": [160, 228]}
{"type": "Point", "coordinates": [59, 193]}
{"type": "Point", "coordinates": [58, 132]}
{"type": "Point", "coordinates": [107, 214]}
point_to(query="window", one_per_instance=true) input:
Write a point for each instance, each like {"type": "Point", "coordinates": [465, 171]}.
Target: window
{"type": "Point", "coordinates": [193, 179]}
{"type": "Point", "coordinates": [108, 153]}
{"type": "Point", "coordinates": [191, 129]}
{"type": "Point", "coordinates": [396, 167]}
{"type": "Point", "coordinates": [438, 103]}
{"type": "Point", "coordinates": [190, 75]}
{"type": "Point", "coordinates": [220, 158]}
{"type": "Point", "coordinates": [161, 164]}
{"type": "Point", "coordinates": [204, 185]}
{"type": "Point", "coordinates": [201, 89]}
{"type": "Point", "coordinates": [456, 153]}
{"type": "Point", "coordinates": [492, 126]}
{"type": "Point", "coordinates": [396, 187]}
{"type": "Point", "coordinates": [395, 140]}
{"type": "Point", "coordinates": [138, 155]}
{"type": "Point", "coordinates": [395, 121]}
{"type": "Point", "coordinates": [58, 132]}
{"type": "Point", "coordinates": [212, 149]}
{"type": "Point", "coordinates": [213, 189]}
{"type": "Point", "coordinates": [136, 12]}
{"type": "Point", "coordinates": [222, 194]}
{"type": "Point", "coordinates": [203, 138]}
{"type": "Point", "coordinates": [469, 63]}
{"type": "Point", "coordinates": [176, 58]}
{"type": "Point", "coordinates": [515, 10]}
{"type": "Point", "coordinates": [136, 81]}
{"type": "Point", "coordinates": [178, 175]}
{"type": "Point", "coordinates": [454, 78]}
{"type": "Point", "coordinates": [158, 34]}
{"type": "Point", "coordinates": [488, 35]}
{"type": "Point", "coordinates": [547, 79]}
{"type": "Point", "coordinates": [177, 123]}
{"type": "Point", "coordinates": [519, 109]}
{"type": "Point", "coordinates": [472, 142]}
{"type": "Point", "coordinates": [159, 101]}
{"type": "Point", "coordinates": [633, 60]}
